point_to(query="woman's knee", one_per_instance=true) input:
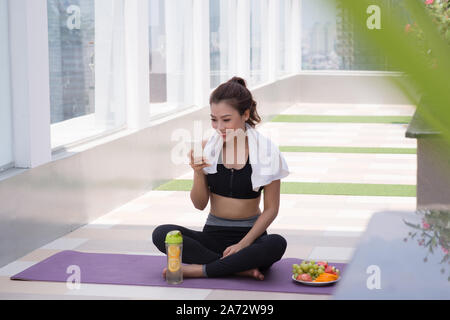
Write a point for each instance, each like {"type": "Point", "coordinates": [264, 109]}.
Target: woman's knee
{"type": "Point", "coordinates": [278, 244]}
{"type": "Point", "coordinates": [159, 234]}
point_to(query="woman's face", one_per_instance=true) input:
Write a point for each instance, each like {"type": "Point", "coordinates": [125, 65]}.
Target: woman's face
{"type": "Point", "coordinates": [225, 119]}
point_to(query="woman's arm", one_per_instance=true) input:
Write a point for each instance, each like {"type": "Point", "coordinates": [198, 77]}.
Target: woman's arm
{"type": "Point", "coordinates": [271, 206]}
{"type": "Point", "coordinates": [200, 192]}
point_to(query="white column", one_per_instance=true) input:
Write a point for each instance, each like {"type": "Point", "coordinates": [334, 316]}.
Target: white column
{"type": "Point", "coordinates": [226, 38]}
{"type": "Point", "coordinates": [179, 53]}
{"type": "Point", "coordinates": [185, 13]}
{"type": "Point", "coordinates": [295, 53]}
{"type": "Point", "coordinates": [264, 40]}
{"type": "Point", "coordinates": [6, 150]}
{"type": "Point", "coordinates": [201, 61]}
{"type": "Point", "coordinates": [242, 38]}
{"type": "Point", "coordinates": [271, 45]}
{"type": "Point", "coordinates": [109, 64]}
{"type": "Point", "coordinates": [174, 45]}
{"type": "Point", "coordinates": [137, 63]}
{"type": "Point", "coordinates": [30, 82]}
{"type": "Point", "coordinates": [287, 34]}
{"type": "Point", "coordinates": [228, 31]}
{"type": "Point", "coordinates": [103, 50]}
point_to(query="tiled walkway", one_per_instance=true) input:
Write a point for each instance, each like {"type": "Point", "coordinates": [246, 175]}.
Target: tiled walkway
{"type": "Point", "coordinates": [316, 226]}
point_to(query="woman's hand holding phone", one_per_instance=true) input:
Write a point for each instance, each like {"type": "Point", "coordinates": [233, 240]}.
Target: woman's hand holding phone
{"type": "Point", "coordinates": [197, 163]}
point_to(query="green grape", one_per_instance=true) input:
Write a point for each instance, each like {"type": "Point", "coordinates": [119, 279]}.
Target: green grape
{"type": "Point", "coordinates": [295, 275]}
{"type": "Point", "coordinates": [320, 271]}
{"type": "Point", "coordinates": [311, 270]}
{"type": "Point", "coordinates": [305, 268]}
{"type": "Point", "coordinates": [312, 262]}
{"type": "Point", "coordinates": [316, 267]}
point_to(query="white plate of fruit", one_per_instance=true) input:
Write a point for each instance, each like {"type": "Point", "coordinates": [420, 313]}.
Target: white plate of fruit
{"type": "Point", "coordinates": [313, 273]}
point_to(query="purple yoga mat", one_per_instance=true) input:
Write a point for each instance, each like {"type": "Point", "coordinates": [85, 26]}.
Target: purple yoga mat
{"type": "Point", "coordinates": [145, 270]}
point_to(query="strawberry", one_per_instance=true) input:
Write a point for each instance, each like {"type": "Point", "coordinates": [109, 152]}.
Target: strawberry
{"type": "Point", "coordinates": [329, 269]}
{"type": "Point", "coordinates": [322, 263]}
{"type": "Point", "coordinates": [305, 277]}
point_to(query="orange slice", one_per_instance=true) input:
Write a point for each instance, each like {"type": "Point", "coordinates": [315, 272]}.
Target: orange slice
{"type": "Point", "coordinates": [174, 251]}
{"type": "Point", "coordinates": [174, 264]}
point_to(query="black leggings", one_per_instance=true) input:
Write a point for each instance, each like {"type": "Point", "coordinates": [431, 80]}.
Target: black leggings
{"type": "Point", "coordinates": [206, 247]}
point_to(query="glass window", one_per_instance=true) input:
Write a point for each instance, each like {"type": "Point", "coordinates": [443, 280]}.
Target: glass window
{"type": "Point", "coordinates": [330, 40]}
{"type": "Point", "coordinates": [177, 63]}
{"type": "Point", "coordinates": [157, 39]}
{"type": "Point", "coordinates": [319, 36]}
{"type": "Point", "coordinates": [171, 65]}
{"type": "Point", "coordinates": [87, 74]}
{"type": "Point", "coordinates": [218, 40]}
{"type": "Point", "coordinates": [256, 72]}
{"type": "Point", "coordinates": [6, 152]}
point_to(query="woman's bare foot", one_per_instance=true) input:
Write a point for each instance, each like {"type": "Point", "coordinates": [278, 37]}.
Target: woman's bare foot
{"type": "Point", "coordinates": [253, 273]}
{"type": "Point", "coordinates": [189, 271]}
{"type": "Point", "coordinates": [196, 271]}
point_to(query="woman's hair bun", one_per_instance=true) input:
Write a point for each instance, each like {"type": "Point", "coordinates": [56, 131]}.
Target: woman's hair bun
{"type": "Point", "coordinates": [238, 80]}
{"type": "Point", "coordinates": [237, 96]}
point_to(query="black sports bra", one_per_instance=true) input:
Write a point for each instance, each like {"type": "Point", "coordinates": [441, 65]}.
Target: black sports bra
{"type": "Point", "coordinates": [233, 183]}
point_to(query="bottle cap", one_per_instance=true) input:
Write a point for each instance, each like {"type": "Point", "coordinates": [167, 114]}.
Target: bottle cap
{"type": "Point", "coordinates": [174, 237]}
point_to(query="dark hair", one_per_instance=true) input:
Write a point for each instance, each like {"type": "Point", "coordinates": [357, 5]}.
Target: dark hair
{"type": "Point", "coordinates": [235, 93]}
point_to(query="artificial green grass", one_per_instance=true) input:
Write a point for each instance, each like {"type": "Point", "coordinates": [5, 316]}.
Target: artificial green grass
{"type": "Point", "coordinates": [347, 150]}
{"type": "Point", "coordinates": [348, 189]}
{"type": "Point", "coordinates": [347, 119]}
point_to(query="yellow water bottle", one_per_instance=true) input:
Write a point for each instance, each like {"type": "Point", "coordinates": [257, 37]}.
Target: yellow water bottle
{"type": "Point", "coordinates": [174, 250]}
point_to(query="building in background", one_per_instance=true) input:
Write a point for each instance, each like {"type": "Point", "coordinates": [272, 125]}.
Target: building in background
{"type": "Point", "coordinates": [331, 40]}
{"type": "Point", "coordinates": [71, 35]}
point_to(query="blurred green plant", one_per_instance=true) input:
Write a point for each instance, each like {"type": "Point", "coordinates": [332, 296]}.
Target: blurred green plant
{"type": "Point", "coordinates": [411, 55]}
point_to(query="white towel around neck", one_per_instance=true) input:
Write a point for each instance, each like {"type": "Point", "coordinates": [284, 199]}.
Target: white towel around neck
{"type": "Point", "coordinates": [268, 164]}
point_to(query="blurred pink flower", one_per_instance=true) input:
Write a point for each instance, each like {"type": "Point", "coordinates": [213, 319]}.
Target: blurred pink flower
{"type": "Point", "coordinates": [407, 28]}
{"type": "Point", "coordinates": [445, 250]}
{"type": "Point", "coordinates": [429, 2]}
{"type": "Point", "coordinates": [425, 225]}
